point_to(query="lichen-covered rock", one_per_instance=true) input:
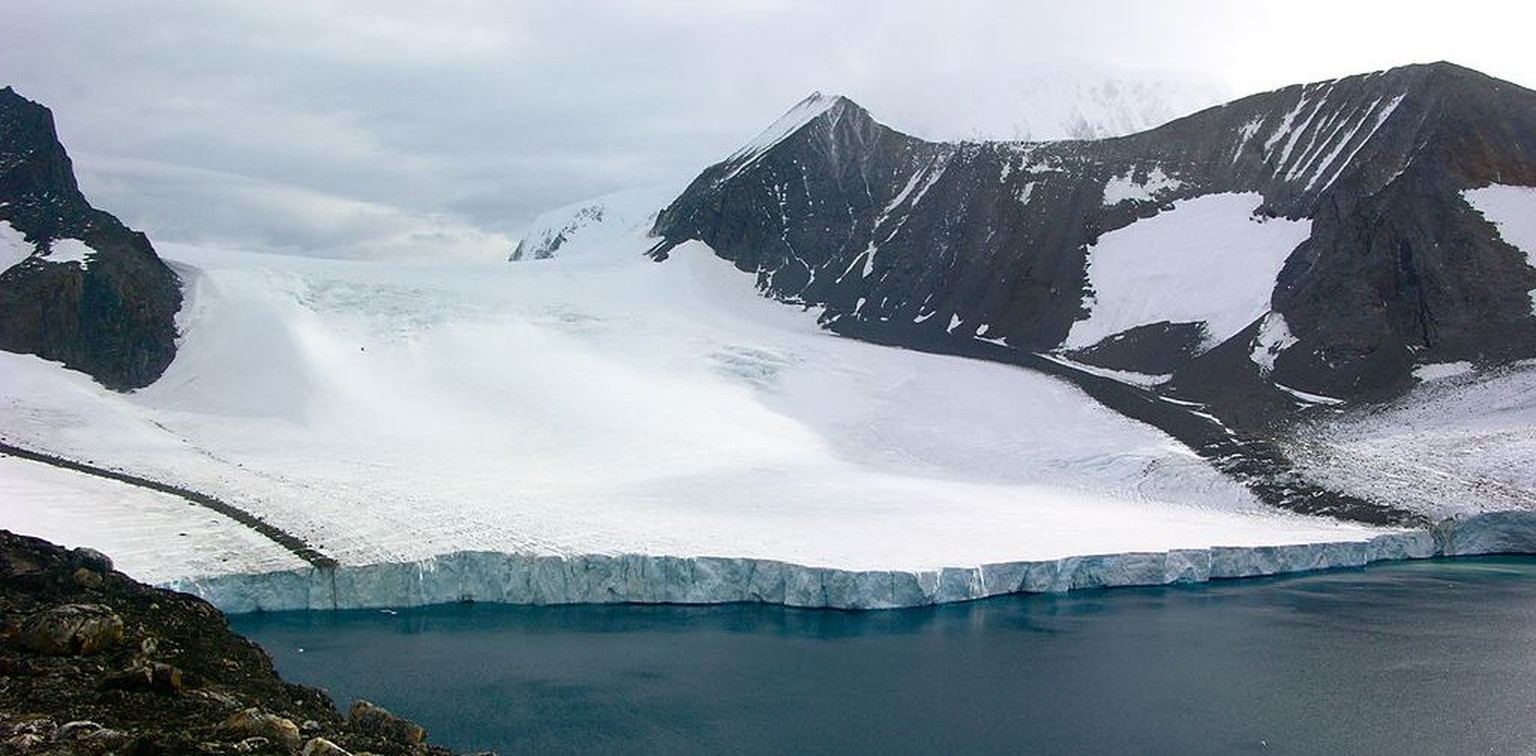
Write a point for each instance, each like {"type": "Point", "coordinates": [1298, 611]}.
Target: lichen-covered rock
{"type": "Point", "coordinates": [154, 677]}
{"type": "Point", "coordinates": [72, 629]}
{"type": "Point", "coordinates": [86, 578]}
{"type": "Point", "coordinates": [177, 675]}
{"type": "Point", "coordinates": [91, 559]}
{"type": "Point", "coordinates": [323, 747]}
{"type": "Point", "coordinates": [374, 721]}
{"type": "Point", "coordinates": [84, 736]}
{"type": "Point", "coordinates": [255, 723]}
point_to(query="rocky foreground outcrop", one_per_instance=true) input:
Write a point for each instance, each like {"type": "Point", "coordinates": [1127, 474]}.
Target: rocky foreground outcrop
{"type": "Point", "coordinates": [90, 293]}
{"type": "Point", "coordinates": [93, 662]}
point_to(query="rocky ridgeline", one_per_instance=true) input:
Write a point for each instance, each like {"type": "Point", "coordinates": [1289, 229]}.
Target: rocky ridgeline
{"type": "Point", "coordinates": [929, 245]}
{"type": "Point", "coordinates": [93, 662]}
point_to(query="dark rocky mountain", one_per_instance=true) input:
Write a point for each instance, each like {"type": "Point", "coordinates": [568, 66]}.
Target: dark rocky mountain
{"type": "Point", "coordinates": [937, 246]}
{"type": "Point", "coordinates": [109, 312]}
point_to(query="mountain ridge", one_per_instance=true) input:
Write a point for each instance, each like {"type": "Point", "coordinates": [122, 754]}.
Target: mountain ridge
{"type": "Point", "coordinates": [992, 239]}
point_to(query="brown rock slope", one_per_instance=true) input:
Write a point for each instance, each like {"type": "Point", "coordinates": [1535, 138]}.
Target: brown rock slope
{"type": "Point", "coordinates": [92, 661]}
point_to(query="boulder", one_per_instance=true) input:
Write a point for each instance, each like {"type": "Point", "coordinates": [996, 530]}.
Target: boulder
{"type": "Point", "coordinates": [86, 578]}
{"type": "Point", "coordinates": [153, 677]}
{"type": "Point", "coordinates": [365, 718]}
{"type": "Point", "coordinates": [71, 629]}
{"type": "Point", "coordinates": [255, 723]}
{"type": "Point", "coordinates": [323, 747]}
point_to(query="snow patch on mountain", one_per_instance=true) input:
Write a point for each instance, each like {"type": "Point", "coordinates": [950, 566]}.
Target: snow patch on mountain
{"type": "Point", "coordinates": [14, 246]}
{"type": "Point", "coordinates": [70, 251]}
{"type": "Point", "coordinates": [1274, 337]}
{"type": "Point", "coordinates": [1125, 187]}
{"type": "Point", "coordinates": [1438, 370]}
{"type": "Point", "coordinates": [1512, 209]}
{"type": "Point", "coordinates": [1209, 260]}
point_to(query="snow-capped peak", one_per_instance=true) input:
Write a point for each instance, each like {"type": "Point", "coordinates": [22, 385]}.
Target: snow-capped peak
{"type": "Point", "coordinates": [802, 113]}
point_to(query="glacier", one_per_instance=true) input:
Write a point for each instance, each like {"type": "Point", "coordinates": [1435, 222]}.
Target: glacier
{"type": "Point", "coordinates": [481, 576]}
{"type": "Point", "coordinates": [678, 439]}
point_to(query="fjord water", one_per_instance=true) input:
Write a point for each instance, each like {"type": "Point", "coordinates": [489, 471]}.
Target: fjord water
{"type": "Point", "coordinates": [1430, 657]}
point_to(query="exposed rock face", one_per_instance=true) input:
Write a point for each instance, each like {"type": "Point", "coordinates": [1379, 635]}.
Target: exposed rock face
{"type": "Point", "coordinates": [120, 667]}
{"type": "Point", "coordinates": [925, 244]}
{"type": "Point", "coordinates": [93, 294]}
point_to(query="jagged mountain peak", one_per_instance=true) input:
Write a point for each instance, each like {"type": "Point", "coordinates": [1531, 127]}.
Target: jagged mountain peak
{"type": "Point", "coordinates": [32, 158]}
{"type": "Point", "coordinates": [76, 285]}
{"type": "Point", "coordinates": [817, 107]}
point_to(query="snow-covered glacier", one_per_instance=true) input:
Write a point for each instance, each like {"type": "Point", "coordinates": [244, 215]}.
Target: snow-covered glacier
{"type": "Point", "coordinates": [637, 578]}
{"type": "Point", "coordinates": [600, 428]}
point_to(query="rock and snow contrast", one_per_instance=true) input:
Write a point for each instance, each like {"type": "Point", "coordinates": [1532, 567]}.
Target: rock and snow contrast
{"type": "Point", "coordinates": [1372, 253]}
{"type": "Point", "coordinates": [606, 405]}
{"type": "Point", "coordinates": [76, 285]}
{"type": "Point", "coordinates": [1121, 362]}
{"type": "Point", "coordinates": [1149, 272]}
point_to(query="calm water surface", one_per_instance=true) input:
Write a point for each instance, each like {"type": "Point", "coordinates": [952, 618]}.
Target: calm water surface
{"type": "Point", "coordinates": [1433, 657]}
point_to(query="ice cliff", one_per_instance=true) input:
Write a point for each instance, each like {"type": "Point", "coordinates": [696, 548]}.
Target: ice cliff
{"type": "Point", "coordinates": [636, 578]}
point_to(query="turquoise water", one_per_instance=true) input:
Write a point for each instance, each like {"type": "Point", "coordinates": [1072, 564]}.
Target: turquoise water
{"type": "Point", "coordinates": [1435, 657]}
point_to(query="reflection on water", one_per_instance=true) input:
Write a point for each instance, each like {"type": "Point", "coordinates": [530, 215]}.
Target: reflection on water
{"type": "Point", "coordinates": [1423, 657]}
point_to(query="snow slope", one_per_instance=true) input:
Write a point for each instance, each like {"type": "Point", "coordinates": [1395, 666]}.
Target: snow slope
{"type": "Point", "coordinates": [1208, 260]}
{"type": "Point", "coordinates": [803, 112]}
{"type": "Point", "coordinates": [14, 246]}
{"type": "Point", "coordinates": [608, 404]}
{"type": "Point", "coordinates": [153, 536]}
{"type": "Point", "coordinates": [1461, 442]}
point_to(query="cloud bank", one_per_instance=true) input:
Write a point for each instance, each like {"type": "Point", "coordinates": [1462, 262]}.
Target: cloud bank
{"type": "Point", "coordinates": [363, 129]}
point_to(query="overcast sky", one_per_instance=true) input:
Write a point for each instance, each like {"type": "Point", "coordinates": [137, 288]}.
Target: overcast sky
{"type": "Point", "coordinates": [390, 129]}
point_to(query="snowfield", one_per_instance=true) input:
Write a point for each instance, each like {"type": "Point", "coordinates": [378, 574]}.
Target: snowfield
{"type": "Point", "coordinates": [155, 537]}
{"type": "Point", "coordinates": [1459, 443]}
{"type": "Point", "coordinates": [598, 405]}
{"type": "Point", "coordinates": [1208, 260]}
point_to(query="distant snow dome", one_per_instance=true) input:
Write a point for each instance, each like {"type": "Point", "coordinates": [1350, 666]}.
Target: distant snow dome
{"type": "Point", "coordinates": [594, 226]}
{"type": "Point", "coordinates": [1065, 102]}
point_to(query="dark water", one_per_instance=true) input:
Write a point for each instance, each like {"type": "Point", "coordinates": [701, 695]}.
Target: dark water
{"type": "Point", "coordinates": [1415, 658]}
